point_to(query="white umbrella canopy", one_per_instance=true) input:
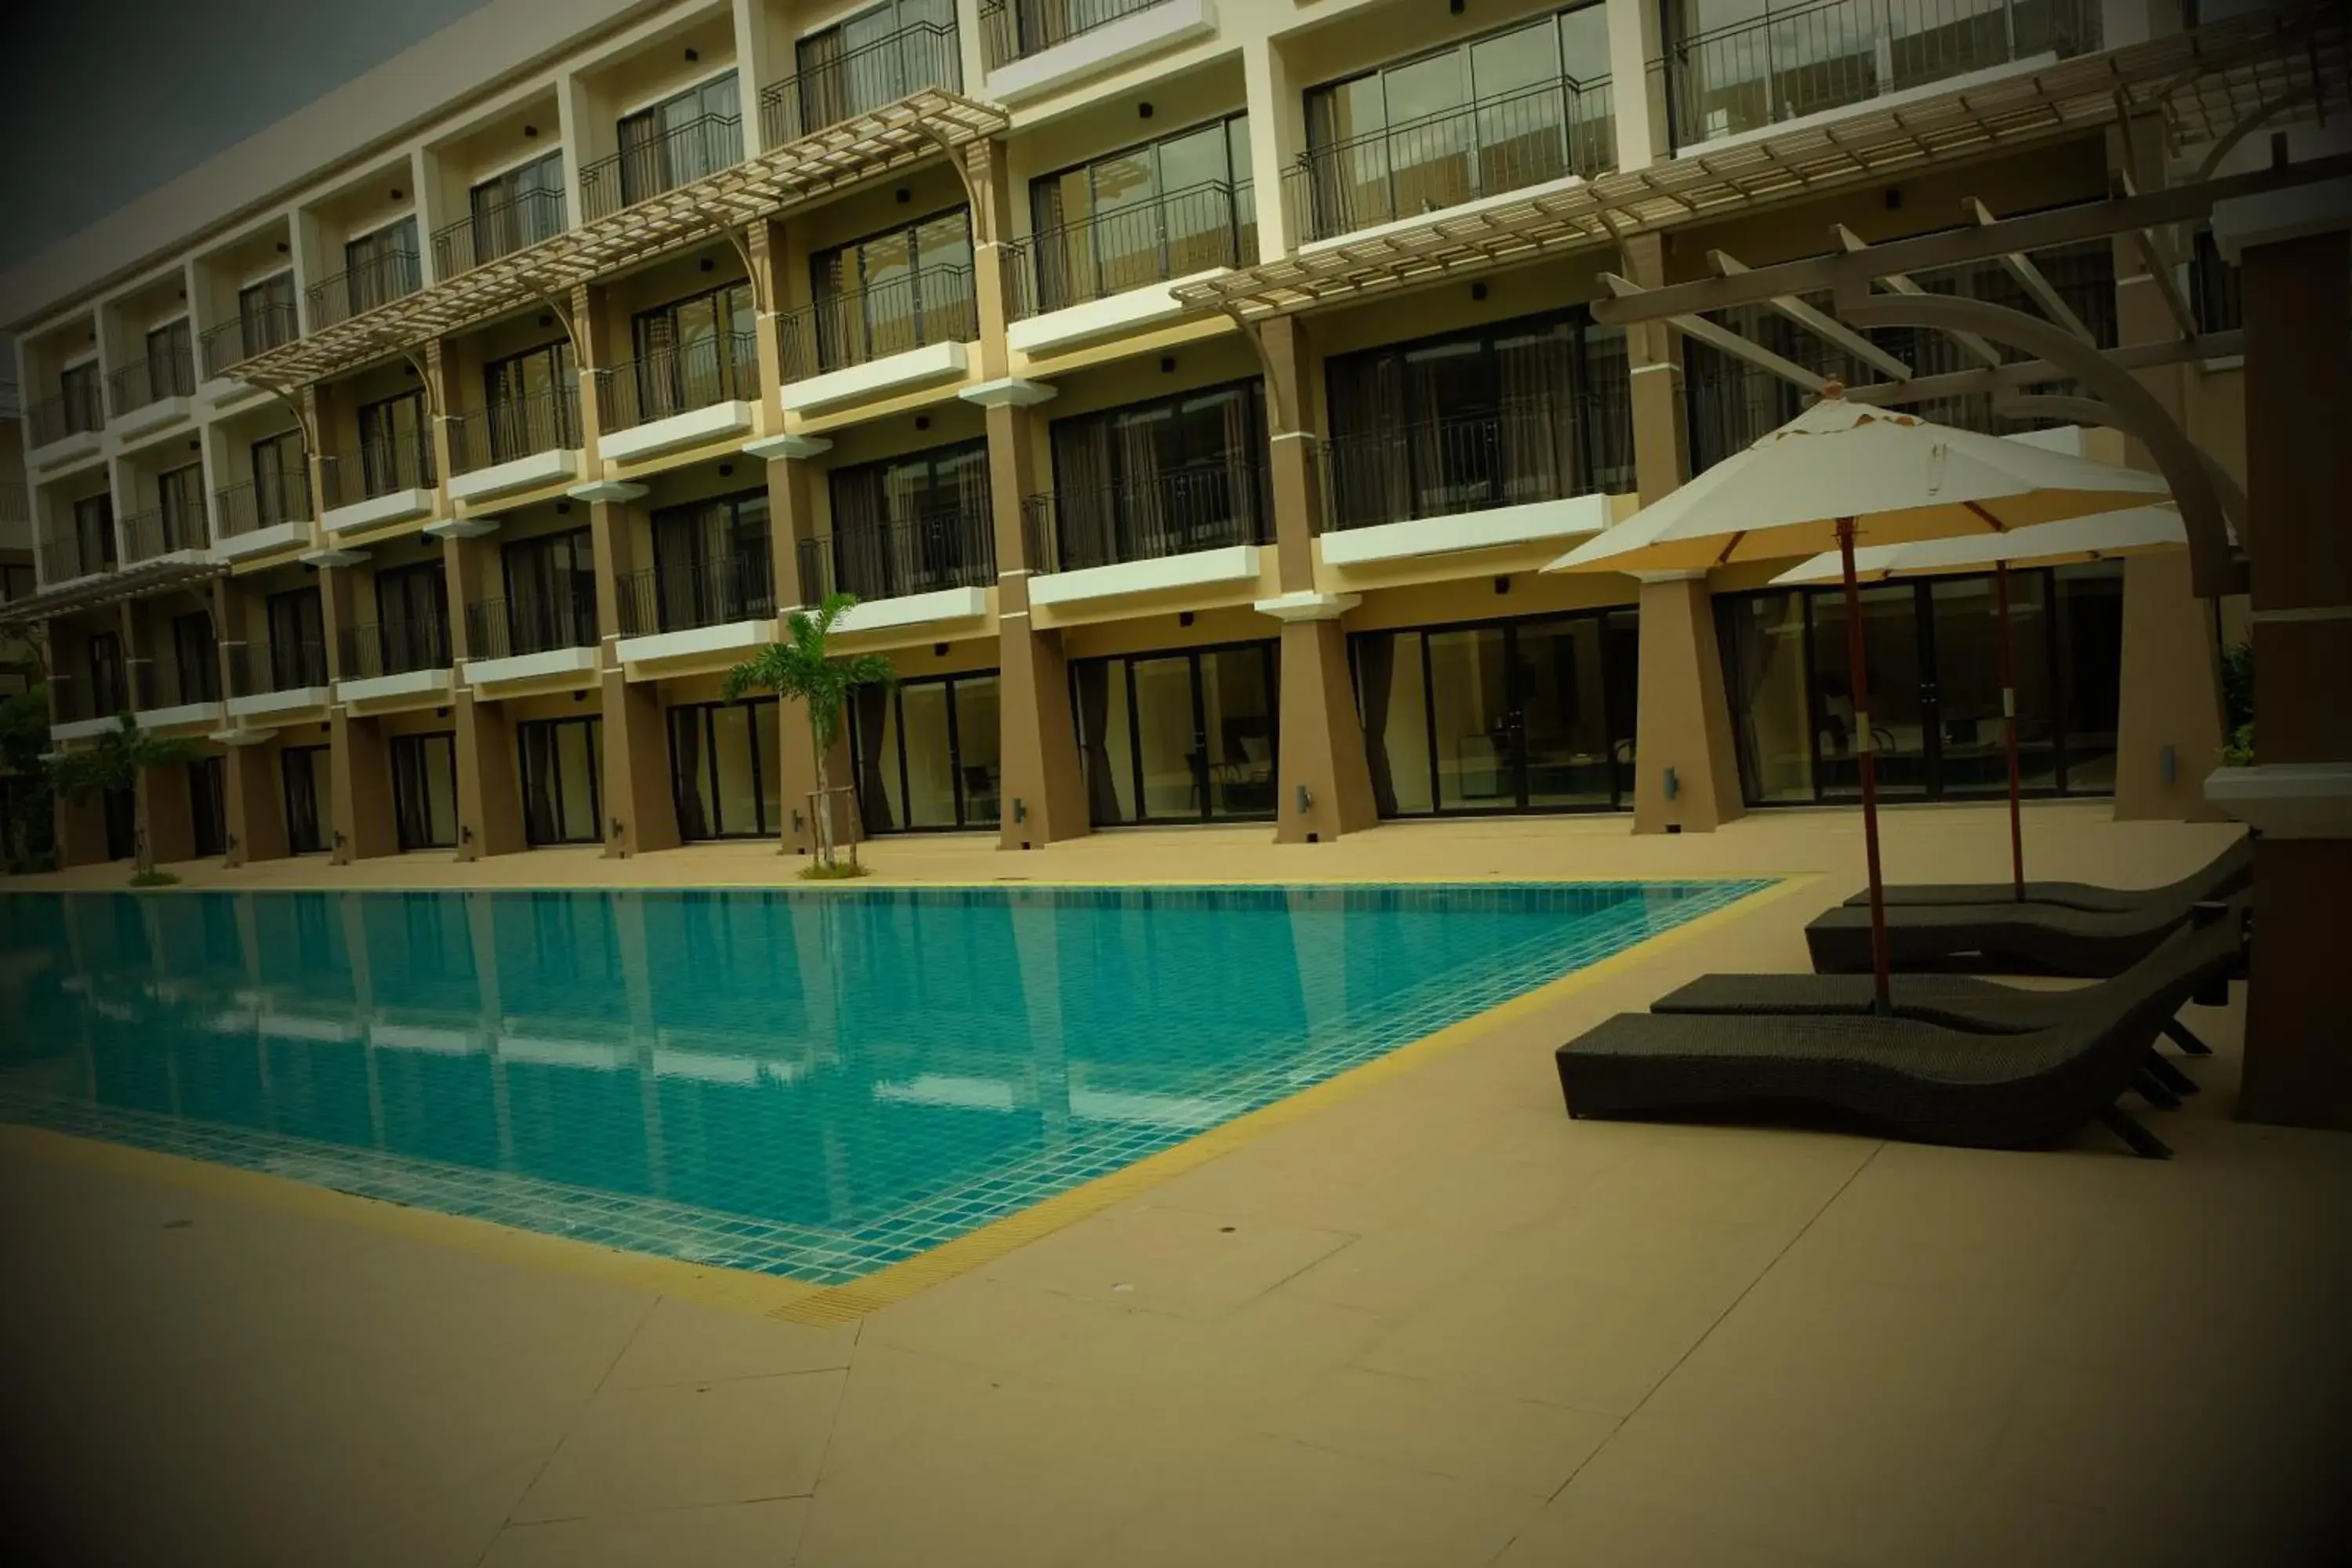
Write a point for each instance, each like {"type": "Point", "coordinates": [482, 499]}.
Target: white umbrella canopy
{"type": "Point", "coordinates": [2105, 537]}
{"type": "Point", "coordinates": [1900, 479]}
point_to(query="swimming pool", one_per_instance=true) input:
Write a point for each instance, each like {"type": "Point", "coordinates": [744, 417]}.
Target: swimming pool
{"type": "Point", "coordinates": [814, 1083]}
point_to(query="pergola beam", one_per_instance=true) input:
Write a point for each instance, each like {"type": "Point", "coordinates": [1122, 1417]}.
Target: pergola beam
{"type": "Point", "coordinates": [1898, 283]}
{"type": "Point", "coordinates": [1821, 326]}
{"type": "Point", "coordinates": [2029, 277]}
{"type": "Point", "coordinates": [1727, 341]}
{"type": "Point", "coordinates": [2036, 372]}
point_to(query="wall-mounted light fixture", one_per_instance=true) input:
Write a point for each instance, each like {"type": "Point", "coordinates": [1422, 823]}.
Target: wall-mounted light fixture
{"type": "Point", "coordinates": [1020, 809]}
{"type": "Point", "coordinates": [2168, 767]}
{"type": "Point", "coordinates": [1306, 799]}
{"type": "Point", "coordinates": [465, 833]}
{"type": "Point", "coordinates": [1674, 785]}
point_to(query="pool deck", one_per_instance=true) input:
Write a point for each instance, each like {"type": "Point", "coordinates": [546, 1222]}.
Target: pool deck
{"type": "Point", "coordinates": [1430, 1321]}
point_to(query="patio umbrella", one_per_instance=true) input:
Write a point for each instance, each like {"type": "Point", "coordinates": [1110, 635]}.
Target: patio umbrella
{"type": "Point", "coordinates": [1845, 473]}
{"type": "Point", "coordinates": [2105, 537]}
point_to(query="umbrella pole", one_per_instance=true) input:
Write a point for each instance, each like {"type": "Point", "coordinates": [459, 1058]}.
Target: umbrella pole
{"type": "Point", "coordinates": [2008, 729]}
{"type": "Point", "coordinates": [1865, 752]}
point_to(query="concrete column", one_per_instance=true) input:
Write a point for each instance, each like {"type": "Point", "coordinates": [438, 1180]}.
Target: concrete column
{"type": "Point", "coordinates": [81, 831]}
{"type": "Point", "coordinates": [167, 812]}
{"type": "Point", "coordinates": [359, 779]}
{"type": "Point", "coordinates": [256, 805]}
{"type": "Point", "coordinates": [765, 240]}
{"type": "Point", "coordinates": [1683, 722]}
{"type": "Point", "coordinates": [640, 813]}
{"type": "Point", "coordinates": [791, 517]}
{"type": "Point", "coordinates": [490, 790]}
{"type": "Point", "coordinates": [1639, 97]}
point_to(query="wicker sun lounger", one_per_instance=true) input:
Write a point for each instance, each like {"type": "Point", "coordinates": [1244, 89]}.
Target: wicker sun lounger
{"type": "Point", "coordinates": [1902, 1076]}
{"type": "Point", "coordinates": [2228, 872]}
{"type": "Point", "coordinates": [1997, 938]}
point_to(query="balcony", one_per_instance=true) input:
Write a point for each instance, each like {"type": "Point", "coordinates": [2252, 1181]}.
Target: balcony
{"type": "Point", "coordinates": [686, 397]}
{"type": "Point", "coordinates": [82, 710]}
{"type": "Point", "coordinates": [887, 338]}
{"type": "Point", "coordinates": [394, 275]}
{"type": "Point", "coordinates": [1032, 47]}
{"type": "Point", "coordinates": [1094, 278]}
{"type": "Point", "coordinates": [1757, 74]}
{"type": "Point", "coordinates": [541, 638]}
{"type": "Point", "coordinates": [1477, 152]}
{"type": "Point", "coordinates": [678, 156]}
{"type": "Point", "coordinates": [162, 531]}
{"type": "Point", "coordinates": [491, 231]}
{"type": "Point", "coordinates": [932, 568]}
{"type": "Point", "coordinates": [697, 604]}
{"type": "Point", "coordinates": [859, 79]}
{"type": "Point", "coordinates": [165, 695]}
{"type": "Point", "coordinates": [257, 517]}
{"type": "Point", "coordinates": [232, 343]}
{"type": "Point", "coordinates": [1188, 528]}
{"type": "Point", "coordinates": [267, 679]}
{"type": "Point", "coordinates": [378, 483]}
{"type": "Point", "coordinates": [69, 552]}
{"type": "Point", "coordinates": [151, 391]}
{"type": "Point", "coordinates": [522, 443]}
{"type": "Point", "coordinates": [65, 427]}
{"type": "Point", "coordinates": [394, 659]}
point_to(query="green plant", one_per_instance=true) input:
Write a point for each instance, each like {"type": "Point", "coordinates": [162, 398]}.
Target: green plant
{"type": "Point", "coordinates": [114, 762]}
{"type": "Point", "coordinates": [833, 871]}
{"type": "Point", "coordinates": [2239, 752]}
{"type": "Point", "coordinates": [2238, 686]}
{"type": "Point", "coordinates": [31, 825]}
{"type": "Point", "coordinates": [804, 666]}
{"type": "Point", "coordinates": [154, 880]}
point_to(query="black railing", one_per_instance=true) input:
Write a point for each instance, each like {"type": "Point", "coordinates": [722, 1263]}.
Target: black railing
{"type": "Point", "coordinates": [394, 275]}
{"type": "Point", "coordinates": [395, 648]}
{"type": "Point", "coordinates": [1109, 253]}
{"type": "Point", "coordinates": [283, 498]}
{"type": "Point", "coordinates": [857, 326]}
{"type": "Point", "coordinates": [517, 427]}
{"type": "Point", "coordinates": [1522, 451]}
{"type": "Point", "coordinates": [149, 535]}
{"type": "Point", "coordinates": [686, 591]}
{"type": "Point", "coordinates": [75, 699]}
{"type": "Point", "coordinates": [678, 156]}
{"type": "Point", "coordinates": [76, 409]}
{"type": "Point", "coordinates": [1174, 514]}
{"type": "Point", "coordinates": [257, 331]}
{"type": "Point", "coordinates": [146, 380]}
{"type": "Point", "coordinates": [503, 629]}
{"type": "Point", "coordinates": [1482, 149]}
{"type": "Point", "coordinates": [500, 229]}
{"type": "Point", "coordinates": [289, 665]}
{"type": "Point", "coordinates": [66, 553]}
{"type": "Point", "coordinates": [678, 381]}
{"type": "Point", "coordinates": [379, 468]}
{"type": "Point", "coordinates": [1014, 30]}
{"type": "Point", "coordinates": [921, 555]}
{"type": "Point", "coordinates": [165, 683]}
{"type": "Point", "coordinates": [865, 78]}
{"type": "Point", "coordinates": [1797, 62]}
{"type": "Point", "coordinates": [15, 503]}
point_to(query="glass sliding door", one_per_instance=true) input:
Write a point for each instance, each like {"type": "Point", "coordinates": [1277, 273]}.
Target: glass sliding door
{"type": "Point", "coordinates": [1180, 737]}
{"type": "Point", "coordinates": [309, 807]}
{"type": "Point", "coordinates": [723, 769]}
{"type": "Point", "coordinates": [562, 790]}
{"type": "Point", "coordinates": [928, 755]}
{"type": "Point", "coordinates": [425, 790]}
{"type": "Point", "coordinates": [1901, 714]}
{"type": "Point", "coordinates": [208, 804]}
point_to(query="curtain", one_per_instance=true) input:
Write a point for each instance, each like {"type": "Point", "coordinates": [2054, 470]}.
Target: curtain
{"type": "Point", "coordinates": [1375, 681]}
{"type": "Point", "coordinates": [871, 713]}
{"type": "Point", "coordinates": [1537, 423]}
{"type": "Point", "coordinates": [1243, 467]}
{"type": "Point", "coordinates": [824, 82]}
{"type": "Point", "coordinates": [1094, 716]}
{"type": "Point", "coordinates": [1370, 476]}
{"type": "Point", "coordinates": [686, 771]}
{"type": "Point", "coordinates": [1082, 476]}
{"type": "Point", "coordinates": [1148, 489]}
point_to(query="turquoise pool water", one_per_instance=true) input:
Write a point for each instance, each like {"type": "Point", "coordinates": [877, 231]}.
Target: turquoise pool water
{"type": "Point", "coordinates": [815, 1083]}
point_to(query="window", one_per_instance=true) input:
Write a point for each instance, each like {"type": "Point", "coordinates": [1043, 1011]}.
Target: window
{"type": "Point", "coordinates": [532, 402]}
{"type": "Point", "coordinates": [195, 654]}
{"type": "Point", "coordinates": [180, 496]}
{"type": "Point", "coordinates": [696, 352]}
{"type": "Point", "coordinates": [412, 605]}
{"type": "Point", "coordinates": [381, 266]}
{"type": "Point", "coordinates": [297, 640]}
{"type": "Point", "coordinates": [1188, 736]}
{"type": "Point", "coordinates": [1525, 411]}
{"type": "Point", "coordinates": [1171, 207]}
{"type": "Point", "coordinates": [724, 758]}
{"type": "Point", "coordinates": [425, 790]}
{"type": "Point", "coordinates": [396, 446]}
{"type": "Point", "coordinates": [265, 313]}
{"type": "Point", "coordinates": [679, 140]}
{"type": "Point", "coordinates": [307, 773]}
{"type": "Point", "coordinates": [281, 480]}
{"type": "Point", "coordinates": [562, 792]}
{"type": "Point", "coordinates": [550, 592]}
{"type": "Point", "coordinates": [894, 291]}
{"type": "Point", "coordinates": [94, 532]}
{"type": "Point", "coordinates": [1162, 477]}
{"type": "Point", "coordinates": [1494, 114]}
{"type": "Point", "coordinates": [516, 209]}
{"type": "Point", "coordinates": [913, 525]}
{"type": "Point", "coordinates": [108, 688]}
{"type": "Point", "coordinates": [171, 364]}
{"type": "Point", "coordinates": [711, 564]}
{"type": "Point", "coordinates": [928, 754]}
{"type": "Point", "coordinates": [873, 58]}
{"type": "Point", "coordinates": [15, 583]}
{"type": "Point", "coordinates": [78, 387]}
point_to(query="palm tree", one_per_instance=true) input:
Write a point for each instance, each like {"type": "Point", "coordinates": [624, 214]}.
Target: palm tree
{"type": "Point", "coordinates": [802, 666]}
{"type": "Point", "coordinates": [116, 761]}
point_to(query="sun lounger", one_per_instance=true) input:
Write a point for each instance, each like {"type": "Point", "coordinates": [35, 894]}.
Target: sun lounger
{"type": "Point", "coordinates": [1997, 938]}
{"type": "Point", "coordinates": [1905, 1076]}
{"type": "Point", "coordinates": [2228, 872]}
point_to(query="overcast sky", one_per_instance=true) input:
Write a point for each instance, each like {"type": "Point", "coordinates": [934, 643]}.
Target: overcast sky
{"type": "Point", "coordinates": [108, 99]}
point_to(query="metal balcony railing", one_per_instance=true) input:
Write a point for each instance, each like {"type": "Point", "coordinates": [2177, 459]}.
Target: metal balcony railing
{"type": "Point", "coordinates": [492, 231]}
{"type": "Point", "coordinates": [148, 379]}
{"type": "Point", "coordinates": [503, 629]}
{"type": "Point", "coordinates": [678, 381]}
{"type": "Point", "coordinates": [516, 427]}
{"type": "Point", "coordinates": [15, 505]}
{"type": "Point", "coordinates": [288, 664]}
{"type": "Point", "coordinates": [67, 554]}
{"type": "Point", "coordinates": [160, 531]}
{"type": "Point", "coordinates": [867, 76]}
{"type": "Point", "coordinates": [282, 498]}
{"type": "Point", "coordinates": [392, 276]}
{"type": "Point", "coordinates": [74, 698]}
{"type": "Point", "coordinates": [924, 555]}
{"type": "Point", "coordinates": [1107, 253]}
{"type": "Point", "coordinates": [1014, 30]}
{"type": "Point", "coordinates": [686, 591]}
{"type": "Point", "coordinates": [857, 326]}
{"type": "Point", "coordinates": [1802, 61]}
{"type": "Point", "coordinates": [379, 468]}
{"type": "Point", "coordinates": [75, 409]}
{"type": "Point", "coordinates": [1519, 452]}
{"type": "Point", "coordinates": [395, 648]}
{"type": "Point", "coordinates": [232, 343]}
{"type": "Point", "coordinates": [1171, 514]}
{"type": "Point", "coordinates": [675, 157]}
{"type": "Point", "coordinates": [1485, 148]}
{"type": "Point", "coordinates": [167, 683]}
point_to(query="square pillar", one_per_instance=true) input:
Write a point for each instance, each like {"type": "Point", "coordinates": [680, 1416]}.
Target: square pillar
{"type": "Point", "coordinates": [167, 812]}
{"type": "Point", "coordinates": [640, 813]}
{"type": "Point", "coordinates": [489, 788]}
{"type": "Point", "coordinates": [81, 831]}
{"type": "Point", "coordinates": [256, 805]}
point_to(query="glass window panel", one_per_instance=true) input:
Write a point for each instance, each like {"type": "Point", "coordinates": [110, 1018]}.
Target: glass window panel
{"type": "Point", "coordinates": [1562, 714]}
{"type": "Point", "coordinates": [1584, 44]}
{"type": "Point", "coordinates": [1974, 754]}
{"type": "Point", "coordinates": [1401, 729]}
{"type": "Point", "coordinates": [733, 787]}
{"type": "Point", "coordinates": [1106, 740]}
{"type": "Point", "coordinates": [1174, 771]}
{"type": "Point", "coordinates": [575, 759]}
{"type": "Point", "coordinates": [2090, 672]}
{"type": "Point", "coordinates": [1890, 645]}
{"type": "Point", "coordinates": [1469, 695]}
{"type": "Point", "coordinates": [1237, 709]}
{"type": "Point", "coordinates": [766, 743]}
{"type": "Point", "coordinates": [1430, 157]}
{"type": "Point", "coordinates": [441, 790]}
{"type": "Point", "coordinates": [930, 763]}
{"type": "Point", "coordinates": [893, 790]}
{"type": "Point", "coordinates": [980, 763]}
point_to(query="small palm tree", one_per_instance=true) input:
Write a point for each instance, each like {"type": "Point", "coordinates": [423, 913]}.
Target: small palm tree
{"type": "Point", "coordinates": [802, 666]}
{"type": "Point", "coordinates": [115, 763]}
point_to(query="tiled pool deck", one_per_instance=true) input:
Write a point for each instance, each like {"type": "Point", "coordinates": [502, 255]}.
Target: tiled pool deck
{"type": "Point", "coordinates": [1428, 1321]}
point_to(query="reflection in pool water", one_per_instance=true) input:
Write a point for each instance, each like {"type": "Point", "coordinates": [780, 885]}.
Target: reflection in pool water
{"type": "Point", "coordinates": [813, 1083]}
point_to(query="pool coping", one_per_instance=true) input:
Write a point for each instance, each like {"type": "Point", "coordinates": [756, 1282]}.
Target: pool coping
{"type": "Point", "coordinates": [789, 1300]}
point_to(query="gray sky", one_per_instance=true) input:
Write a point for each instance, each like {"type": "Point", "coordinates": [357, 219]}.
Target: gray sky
{"type": "Point", "coordinates": [129, 94]}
